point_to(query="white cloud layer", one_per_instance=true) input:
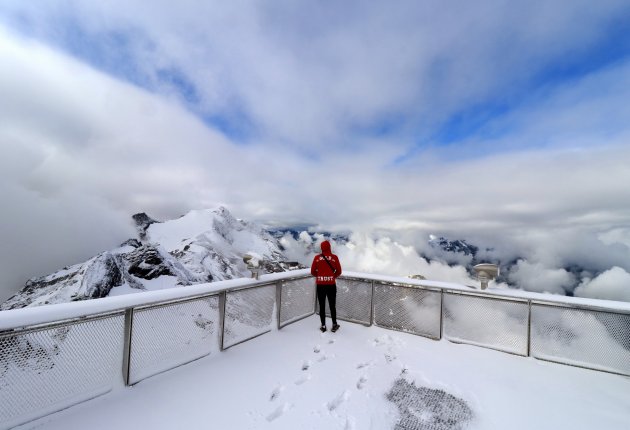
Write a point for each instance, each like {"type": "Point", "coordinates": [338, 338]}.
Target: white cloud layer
{"type": "Point", "coordinates": [613, 284]}
{"type": "Point", "coordinates": [364, 253]}
{"type": "Point", "coordinates": [81, 150]}
{"type": "Point", "coordinates": [536, 277]}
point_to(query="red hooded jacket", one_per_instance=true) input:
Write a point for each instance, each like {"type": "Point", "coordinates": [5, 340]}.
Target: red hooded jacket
{"type": "Point", "coordinates": [322, 270]}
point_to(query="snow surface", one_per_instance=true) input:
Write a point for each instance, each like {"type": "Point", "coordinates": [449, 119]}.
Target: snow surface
{"type": "Point", "coordinates": [299, 378]}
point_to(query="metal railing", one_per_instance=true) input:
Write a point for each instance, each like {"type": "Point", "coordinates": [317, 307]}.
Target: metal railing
{"type": "Point", "coordinates": [53, 365]}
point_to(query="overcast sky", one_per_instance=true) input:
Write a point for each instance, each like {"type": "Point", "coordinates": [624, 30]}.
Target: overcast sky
{"type": "Point", "coordinates": [506, 122]}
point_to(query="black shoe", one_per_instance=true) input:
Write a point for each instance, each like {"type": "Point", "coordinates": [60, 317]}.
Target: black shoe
{"type": "Point", "coordinates": [322, 328]}
{"type": "Point", "coordinates": [334, 328]}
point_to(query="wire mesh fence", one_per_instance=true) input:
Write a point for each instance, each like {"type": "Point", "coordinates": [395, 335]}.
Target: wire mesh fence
{"type": "Point", "coordinates": [297, 300]}
{"type": "Point", "coordinates": [410, 310]}
{"type": "Point", "coordinates": [248, 313]}
{"type": "Point", "coordinates": [585, 338]}
{"type": "Point", "coordinates": [492, 323]}
{"type": "Point", "coordinates": [48, 369]}
{"type": "Point", "coordinates": [354, 301]}
{"type": "Point", "coordinates": [167, 336]}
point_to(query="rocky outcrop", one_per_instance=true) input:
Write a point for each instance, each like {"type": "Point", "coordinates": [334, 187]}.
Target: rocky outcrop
{"type": "Point", "coordinates": [99, 277]}
{"type": "Point", "coordinates": [457, 246]}
{"type": "Point", "coordinates": [93, 279]}
{"type": "Point", "coordinates": [143, 221]}
{"type": "Point", "coordinates": [146, 262]}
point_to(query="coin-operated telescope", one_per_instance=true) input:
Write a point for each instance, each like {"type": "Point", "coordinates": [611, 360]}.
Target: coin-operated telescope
{"type": "Point", "coordinates": [253, 264]}
{"type": "Point", "coordinates": [486, 272]}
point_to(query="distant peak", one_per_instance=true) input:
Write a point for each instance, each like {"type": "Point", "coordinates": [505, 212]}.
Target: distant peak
{"type": "Point", "coordinates": [142, 218]}
{"type": "Point", "coordinates": [223, 211]}
{"type": "Point", "coordinates": [134, 243]}
{"type": "Point", "coordinates": [458, 245]}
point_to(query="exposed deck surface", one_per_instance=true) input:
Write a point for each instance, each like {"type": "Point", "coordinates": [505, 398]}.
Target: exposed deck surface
{"type": "Point", "coordinates": [359, 378]}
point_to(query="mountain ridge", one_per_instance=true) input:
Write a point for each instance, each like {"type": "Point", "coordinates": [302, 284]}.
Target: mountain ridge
{"type": "Point", "coordinates": [201, 246]}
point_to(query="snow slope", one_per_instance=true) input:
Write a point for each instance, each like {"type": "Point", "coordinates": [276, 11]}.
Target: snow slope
{"type": "Point", "coordinates": [359, 378]}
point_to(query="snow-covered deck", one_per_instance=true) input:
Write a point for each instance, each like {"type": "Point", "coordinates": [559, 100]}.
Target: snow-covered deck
{"type": "Point", "coordinates": [299, 378]}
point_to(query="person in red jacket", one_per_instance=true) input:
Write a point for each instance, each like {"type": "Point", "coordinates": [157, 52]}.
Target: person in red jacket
{"type": "Point", "coordinates": [326, 268]}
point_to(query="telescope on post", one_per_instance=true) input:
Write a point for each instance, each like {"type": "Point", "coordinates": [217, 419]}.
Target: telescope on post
{"type": "Point", "coordinates": [486, 272]}
{"type": "Point", "coordinates": [253, 264]}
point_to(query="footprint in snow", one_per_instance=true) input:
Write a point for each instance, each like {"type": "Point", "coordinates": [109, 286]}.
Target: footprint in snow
{"type": "Point", "coordinates": [386, 340]}
{"type": "Point", "coordinates": [362, 365]}
{"type": "Point", "coordinates": [278, 412]}
{"type": "Point", "coordinates": [316, 349]}
{"type": "Point", "coordinates": [276, 392]}
{"type": "Point", "coordinates": [325, 357]}
{"type": "Point", "coordinates": [361, 382]}
{"type": "Point", "coordinates": [306, 365]}
{"type": "Point", "coordinates": [331, 341]}
{"type": "Point", "coordinates": [338, 401]}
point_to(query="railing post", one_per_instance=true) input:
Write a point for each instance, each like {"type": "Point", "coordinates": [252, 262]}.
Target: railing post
{"type": "Point", "coordinates": [222, 300]}
{"type": "Point", "coordinates": [441, 314]}
{"type": "Point", "coordinates": [372, 304]}
{"type": "Point", "coordinates": [127, 345]}
{"type": "Point", "coordinates": [278, 302]}
{"type": "Point", "coordinates": [529, 328]}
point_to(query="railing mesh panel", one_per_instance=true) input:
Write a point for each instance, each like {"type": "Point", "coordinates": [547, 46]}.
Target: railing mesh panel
{"type": "Point", "coordinates": [493, 323]}
{"type": "Point", "coordinates": [597, 340]}
{"type": "Point", "coordinates": [248, 313]}
{"type": "Point", "coordinates": [46, 370]}
{"type": "Point", "coordinates": [411, 310]}
{"type": "Point", "coordinates": [297, 299]}
{"type": "Point", "coordinates": [168, 336]}
{"type": "Point", "coordinates": [354, 300]}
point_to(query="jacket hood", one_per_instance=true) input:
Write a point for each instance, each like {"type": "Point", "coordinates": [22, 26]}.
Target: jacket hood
{"type": "Point", "coordinates": [326, 247]}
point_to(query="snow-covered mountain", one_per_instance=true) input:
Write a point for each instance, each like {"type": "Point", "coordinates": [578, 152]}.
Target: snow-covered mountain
{"type": "Point", "coordinates": [459, 246]}
{"type": "Point", "coordinates": [201, 246]}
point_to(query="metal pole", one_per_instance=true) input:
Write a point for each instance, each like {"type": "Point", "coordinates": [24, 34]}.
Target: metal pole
{"type": "Point", "coordinates": [441, 314]}
{"type": "Point", "coordinates": [372, 304]}
{"type": "Point", "coordinates": [529, 328]}
{"type": "Point", "coordinates": [278, 302]}
{"type": "Point", "coordinates": [222, 300]}
{"type": "Point", "coordinates": [127, 345]}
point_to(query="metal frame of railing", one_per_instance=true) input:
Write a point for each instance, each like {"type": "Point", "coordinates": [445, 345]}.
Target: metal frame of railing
{"type": "Point", "coordinates": [408, 317]}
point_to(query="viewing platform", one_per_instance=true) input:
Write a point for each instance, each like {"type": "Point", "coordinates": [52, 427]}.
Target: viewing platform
{"type": "Point", "coordinates": [247, 354]}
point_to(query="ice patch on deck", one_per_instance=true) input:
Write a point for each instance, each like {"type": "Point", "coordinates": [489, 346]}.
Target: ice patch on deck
{"type": "Point", "coordinates": [423, 408]}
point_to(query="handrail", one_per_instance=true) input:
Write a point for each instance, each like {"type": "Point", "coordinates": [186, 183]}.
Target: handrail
{"type": "Point", "coordinates": [16, 319]}
{"type": "Point", "coordinates": [539, 298]}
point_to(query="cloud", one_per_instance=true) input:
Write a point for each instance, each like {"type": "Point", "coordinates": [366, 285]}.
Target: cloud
{"type": "Point", "coordinates": [385, 256]}
{"type": "Point", "coordinates": [81, 152]}
{"type": "Point", "coordinates": [536, 277]}
{"type": "Point", "coordinates": [365, 253]}
{"type": "Point", "coordinates": [613, 284]}
{"type": "Point", "coordinates": [271, 63]}
{"type": "Point", "coordinates": [291, 113]}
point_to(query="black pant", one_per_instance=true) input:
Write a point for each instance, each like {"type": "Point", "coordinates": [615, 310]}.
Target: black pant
{"type": "Point", "coordinates": [329, 291]}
